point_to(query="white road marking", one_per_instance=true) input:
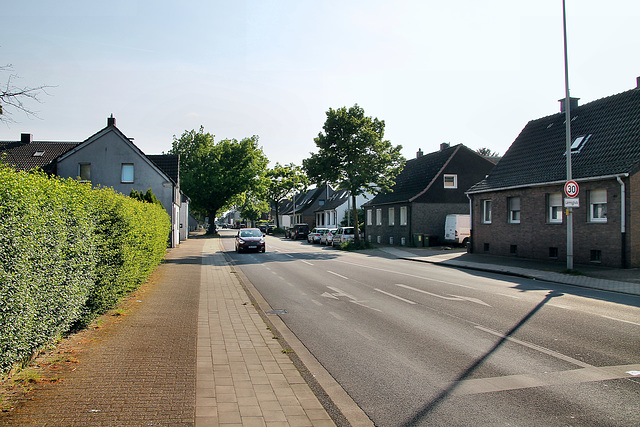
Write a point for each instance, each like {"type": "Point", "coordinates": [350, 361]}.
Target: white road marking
{"type": "Point", "coordinates": [306, 262]}
{"type": "Point", "coordinates": [394, 296]}
{"type": "Point", "coordinates": [336, 315]}
{"type": "Point", "coordinates": [339, 275]}
{"type": "Point", "coordinates": [470, 299]}
{"type": "Point", "coordinates": [428, 293]}
{"type": "Point", "coordinates": [619, 320]}
{"type": "Point", "coordinates": [538, 348]}
{"type": "Point", "coordinates": [317, 302]}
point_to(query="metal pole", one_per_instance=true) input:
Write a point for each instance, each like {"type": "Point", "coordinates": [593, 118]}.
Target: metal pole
{"type": "Point", "coordinates": [567, 111]}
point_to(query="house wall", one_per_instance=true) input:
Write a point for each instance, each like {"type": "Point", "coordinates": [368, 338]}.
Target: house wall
{"type": "Point", "coordinates": [422, 218]}
{"type": "Point", "coordinates": [633, 220]}
{"type": "Point", "coordinates": [534, 235]}
{"type": "Point", "coordinates": [106, 156]}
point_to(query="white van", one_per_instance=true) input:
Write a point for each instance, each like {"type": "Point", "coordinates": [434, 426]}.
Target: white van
{"type": "Point", "coordinates": [457, 228]}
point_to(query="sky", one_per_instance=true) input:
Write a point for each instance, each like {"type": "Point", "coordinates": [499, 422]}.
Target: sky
{"type": "Point", "coordinates": [466, 71]}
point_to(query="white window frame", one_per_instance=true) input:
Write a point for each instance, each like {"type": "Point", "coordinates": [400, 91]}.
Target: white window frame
{"type": "Point", "coordinates": [486, 211]}
{"type": "Point", "coordinates": [124, 175]}
{"type": "Point", "coordinates": [598, 206]}
{"type": "Point", "coordinates": [378, 216]}
{"type": "Point", "coordinates": [514, 210]}
{"type": "Point", "coordinates": [554, 208]}
{"type": "Point", "coordinates": [403, 215]}
{"type": "Point", "coordinates": [454, 181]}
{"type": "Point", "coordinates": [369, 217]}
{"type": "Point", "coordinates": [392, 216]}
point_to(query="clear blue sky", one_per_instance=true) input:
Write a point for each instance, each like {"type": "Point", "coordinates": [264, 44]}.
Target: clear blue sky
{"type": "Point", "coordinates": [466, 71]}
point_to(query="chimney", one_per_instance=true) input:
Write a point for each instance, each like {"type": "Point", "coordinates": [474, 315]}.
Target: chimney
{"type": "Point", "coordinates": [637, 82]}
{"type": "Point", "coordinates": [26, 138]}
{"type": "Point", "coordinates": [111, 121]}
{"type": "Point", "coordinates": [573, 103]}
{"type": "Point", "coordinates": [444, 146]}
{"type": "Point", "coordinates": [419, 153]}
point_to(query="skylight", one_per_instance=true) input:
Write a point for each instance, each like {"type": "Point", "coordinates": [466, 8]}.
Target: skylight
{"type": "Point", "coordinates": [38, 154]}
{"type": "Point", "coordinates": [579, 142]}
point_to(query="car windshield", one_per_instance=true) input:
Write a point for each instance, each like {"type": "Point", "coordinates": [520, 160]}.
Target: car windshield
{"type": "Point", "coordinates": [250, 233]}
{"type": "Point", "coordinates": [347, 230]}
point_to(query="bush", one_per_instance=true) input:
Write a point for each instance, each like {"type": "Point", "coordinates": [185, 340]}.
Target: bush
{"type": "Point", "coordinates": [352, 246]}
{"type": "Point", "coordinates": [67, 253]}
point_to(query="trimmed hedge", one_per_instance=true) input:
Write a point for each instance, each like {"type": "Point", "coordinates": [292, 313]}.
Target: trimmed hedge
{"type": "Point", "coordinates": [67, 253]}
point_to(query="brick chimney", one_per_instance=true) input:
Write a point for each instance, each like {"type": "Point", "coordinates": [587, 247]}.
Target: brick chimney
{"type": "Point", "coordinates": [573, 103]}
{"type": "Point", "coordinates": [26, 138]}
{"type": "Point", "coordinates": [419, 153]}
{"type": "Point", "coordinates": [444, 146]}
{"type": "Point", "coordinates": [111, 121]}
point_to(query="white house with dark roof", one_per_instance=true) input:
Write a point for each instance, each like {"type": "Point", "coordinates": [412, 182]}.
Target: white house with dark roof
{"type": "Point", "coordinates": [518, 209]}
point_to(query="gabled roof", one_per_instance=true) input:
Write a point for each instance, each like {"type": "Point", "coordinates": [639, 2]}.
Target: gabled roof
{"type": "Point", "coordinates": [610, 128]}
{"type": "Point", "coordinates": [337, 199]}
{"type": "Point", "coordinates": [30, 155]}
{"type": "Point", "coordinates": [417, 176]}
{"type": "Point", "coordinates": [169, 163]}
{"type": "Point", "coordinates": [304, 201]}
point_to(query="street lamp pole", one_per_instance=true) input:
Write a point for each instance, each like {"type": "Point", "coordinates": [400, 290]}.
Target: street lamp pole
{"type": "Point", "coordinates": [567, 111]}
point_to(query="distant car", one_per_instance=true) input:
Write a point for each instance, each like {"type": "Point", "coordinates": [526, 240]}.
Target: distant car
{"type": "Point", "coordinates": [327, 238]}
{"type": "Point", "coordinates": [315, 234]}
{"type": "Point", "coordinates": [343, 235]}
{"type": "Point", "coordinates": [250, 239]}
{"type": "Point", "coordinates": [298, 231]}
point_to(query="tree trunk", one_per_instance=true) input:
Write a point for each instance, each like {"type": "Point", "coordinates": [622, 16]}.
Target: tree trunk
{"type": "Point", "coordinates": [212, 222]}
{"type": "Point", "coordinates": [277, 216]}
{"type": "Point", "coordinates": [356, 230]}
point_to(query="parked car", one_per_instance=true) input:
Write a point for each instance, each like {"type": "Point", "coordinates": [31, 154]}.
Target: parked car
{"type": "Point", "coordinates": [298, 231]}
{"type": "Point", "coordinates": [327, 238]}
{"type": "Point", "coordinates": [343, 235]}
{"type": "Point", "coordinates": [250, 239]}
{"type": "Point", "coordinates": [315, 234]}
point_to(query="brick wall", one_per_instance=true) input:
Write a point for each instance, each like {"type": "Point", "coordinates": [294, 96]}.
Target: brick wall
{"type": "Point", "coordinates": [633, 220]}
{"type": "Point", "coordinates": [534, 235]}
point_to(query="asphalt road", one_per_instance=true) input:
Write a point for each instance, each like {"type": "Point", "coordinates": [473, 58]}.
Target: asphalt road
{"type": "Point", "coordinates": [421, 344]}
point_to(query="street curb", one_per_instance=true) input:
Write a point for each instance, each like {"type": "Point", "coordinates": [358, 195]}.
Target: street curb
{"type": "Point", "coordinates": [339, 405]}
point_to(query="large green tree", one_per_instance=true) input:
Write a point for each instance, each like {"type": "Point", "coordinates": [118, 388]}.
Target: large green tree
{"type": "Point", "coordinates": [284, 180]}
{"type": "Point", "coordinates": [353, 155]}
{"type": "Point", "coordinates": [214, 175]}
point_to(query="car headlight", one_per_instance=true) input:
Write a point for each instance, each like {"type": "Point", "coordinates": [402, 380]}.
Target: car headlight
{"type": "Point", "coordinates": [241, 241]}
{"type": "Point", "coordinates": [261, 240]}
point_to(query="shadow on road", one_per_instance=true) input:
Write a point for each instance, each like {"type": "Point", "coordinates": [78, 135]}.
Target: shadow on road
{"type": "Point", "coordinates": [428, 408]}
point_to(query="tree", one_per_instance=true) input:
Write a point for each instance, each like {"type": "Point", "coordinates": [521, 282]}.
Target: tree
{"type": "Point", "coordinates": [284, 180]}
{"type": "Point", "coordinates": [12, 97]}
{"type": "Point", "coordinates": [253, 205]}
{"type": "Point", "coordinates": [214, 175]}
{"type": "Point", "coordinates": [353, 155]}
{"type": "Point", "coordinates": [484, 151]}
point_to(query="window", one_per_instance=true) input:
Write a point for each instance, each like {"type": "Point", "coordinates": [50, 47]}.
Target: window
{"type": "Point", "coordinates": [513, 249]}
{"type": "Point", "coordinates": [598, 206]}
{"type": "Point", "coordinates": [403, 215]}
{"type": "Point", "coordinates": [486, 211]}
{"type": "Point", "coordinates": [485, 247]}
{"type": "Point", "coordinates": [514, 210]}
{"type": "Point", "coordinates": [578, 143]}
{"type": "Point", "coordinates": [553, 253]}
{"type": "Point", "coordinates": [451, 181]}
{"type": "Point", "coordinates": [554, 208]}
{"type": "Point", "coordinates": [596, 255]}
{"type": "Point", "coordinates": [84, 171]}
{"type": "Point", "coordinates": [378, 216]}
{"type": "Point", "coordinates": [369, 217]}
{"type": "Point", "coordinates": [127, 172]}
{"type": "Point", "coordinates": [392, 216]}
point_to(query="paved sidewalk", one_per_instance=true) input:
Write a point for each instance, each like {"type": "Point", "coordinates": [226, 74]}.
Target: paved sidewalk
{"type": "Point", "coordinates": [188, 348]}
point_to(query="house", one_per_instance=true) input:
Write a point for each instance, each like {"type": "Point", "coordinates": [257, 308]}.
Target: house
{"type": "Point", "coordinates": [107, 159]}
{"type": "Point", "coordinates": [430, 187]}
{"type": "Point", "coordinates": [518, 209]}
{"type": "Point", "coordinates": [110, 159]}
{"type": "Point", "coordinates": [331, 213]}
{"type": "Point", "coordinates": [302, 207]}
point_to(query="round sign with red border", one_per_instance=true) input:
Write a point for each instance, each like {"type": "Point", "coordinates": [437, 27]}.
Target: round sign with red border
{"type": "Point", "coordinates": [571, 189]}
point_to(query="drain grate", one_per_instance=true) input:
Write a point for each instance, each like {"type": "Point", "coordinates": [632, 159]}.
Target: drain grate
{"type": "Point", "coordinates": [279, 311]}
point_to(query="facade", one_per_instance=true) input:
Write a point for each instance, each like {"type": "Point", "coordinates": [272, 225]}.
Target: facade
{"type": "Point", "coordinates": [302, 207]}
{"type": "Point", "coordinates": [429, 188]}
{"type": "Point", "coordinates": [107, 159]}
{"type": "Point", "coordinates": [518, 209]}
{"type": "Point", "coordinates": [331, 213]}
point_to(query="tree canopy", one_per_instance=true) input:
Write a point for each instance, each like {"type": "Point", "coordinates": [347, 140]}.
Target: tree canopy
{"type": "Point", "coordinates": [487, 152]}
{"type": "Point", "coordinates": [284, 180]}
{"type": "Point", "coordinates": [13, 97]}
{"type": "Point", "coordinates": [353, 155]}
{"type": "Point", "coordinates": [214, 175]}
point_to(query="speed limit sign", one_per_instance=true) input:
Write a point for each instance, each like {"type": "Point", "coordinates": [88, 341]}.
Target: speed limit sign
{"type": "Point", "coordinates": [571, 189]}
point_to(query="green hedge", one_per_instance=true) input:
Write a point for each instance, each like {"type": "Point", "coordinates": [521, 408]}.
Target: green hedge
{"type": "Point", "coordinates": [67, 253]}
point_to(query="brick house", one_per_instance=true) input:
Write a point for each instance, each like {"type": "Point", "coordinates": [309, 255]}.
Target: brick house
{"type": "Point", "coordinates": [306, 204]}
{"type": "Point", "coordinates": [430, 187]}
{"type": "Point", "coordinates": [517, 210]}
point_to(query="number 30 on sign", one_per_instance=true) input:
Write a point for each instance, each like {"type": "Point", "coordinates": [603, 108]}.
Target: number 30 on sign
{"type": "Point", "coordinates": [571, 189]}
